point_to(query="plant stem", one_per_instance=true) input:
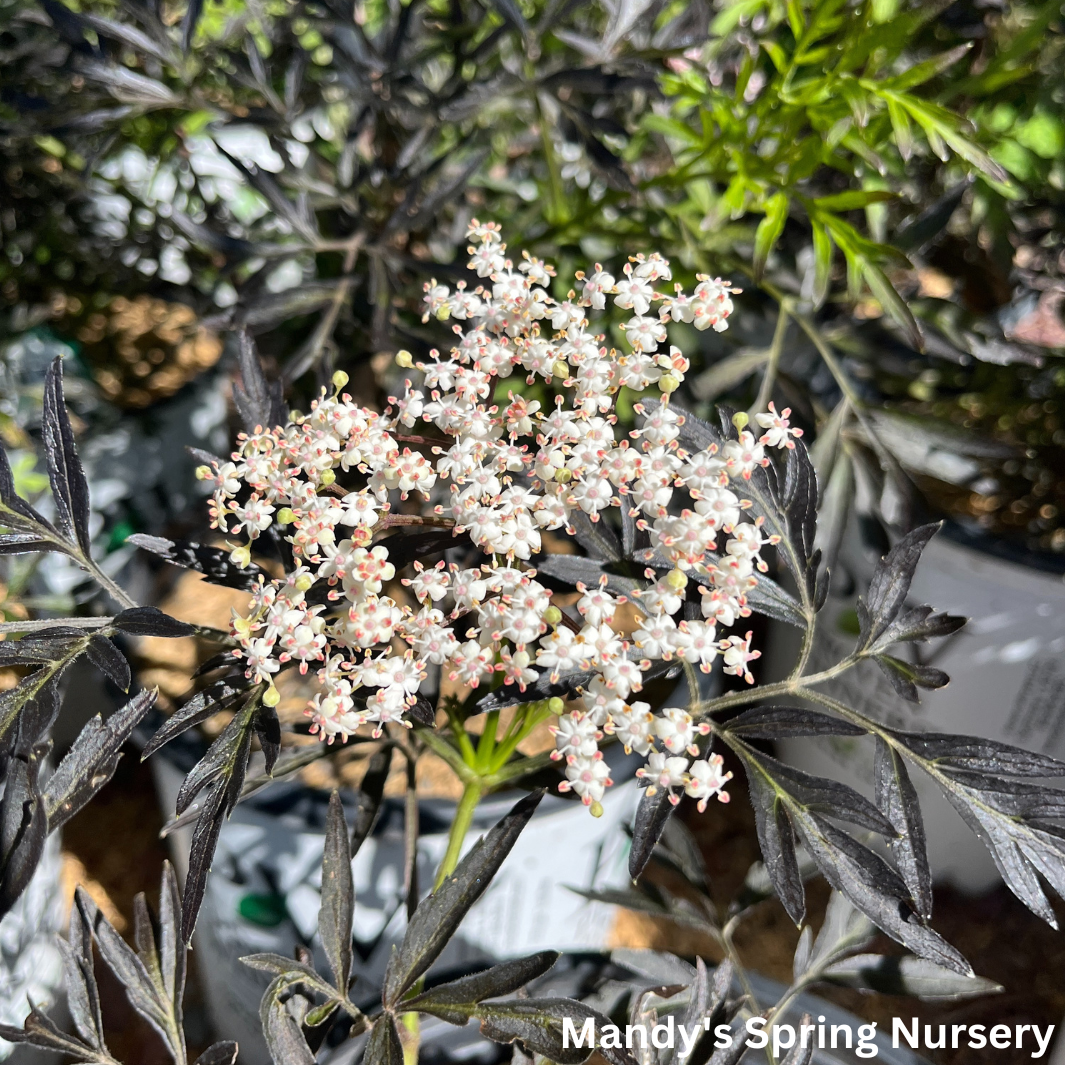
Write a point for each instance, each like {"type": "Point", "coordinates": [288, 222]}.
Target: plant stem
{"type": "Point", "coordinates": [806, 649]}
{"type": "Point", "coordinates": [487, 743]}
{"type": "Point", "coordinates": [765, 391]}
{"type": "Point", "coordinates": [105, 582]}
{"type": "Point", "coordinates": [792, 686]}
{"type": "Point", "coordinates": [471, 796]}
{"type": "Point", "coordinates": [40, 624]}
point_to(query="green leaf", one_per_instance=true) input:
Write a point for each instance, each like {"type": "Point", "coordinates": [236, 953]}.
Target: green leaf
{"type": "Point", "coordinates": [943, 129]}
{"type": "Point", "coordinates": [1043, 134]}
{"type": "Point", "coordinates": [919, 73]}
{"type": "Point", "coordinates": [900, 124]}
{"type": "Point", "coordinates": [672, 127]}
{"type": "Point", "coordinates": [892, 302]}
{"type": "Point", "coordinates": [769, 230]}
{"type": "Point", "coordinates": [822, 261]}
{"type": "Point", "coordinates": [854, 200]}
{"type": "Point", "coordinates": [728, 373]}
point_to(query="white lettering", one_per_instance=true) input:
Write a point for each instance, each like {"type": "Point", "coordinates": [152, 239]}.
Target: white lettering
{"type": "Point", "coordinates": [640, 1030]}
{"type": "Point", "coordinates": [723, 1036]}
{"type": "Point", "coordinates": [866, 1047]}
{"type": "Point", "coordinates": [898, 1028]}
{"type": "Point", "coordinates": [756, 1028]}
{"type": "Point", "coordinates": [1043, 1042]}
{"type": "Point", "coordinates": [1000, 1036]}
{"type": "Point", "coordinates": [779, 1042]}
{"type": "Point", "coordinates": [569, 1031]}
{"type": "Point", "coordinates": [667, 1034]}
{"type": "Point", "coordinates": [689, 1038]}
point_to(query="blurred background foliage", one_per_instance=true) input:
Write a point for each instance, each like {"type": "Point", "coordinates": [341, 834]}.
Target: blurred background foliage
{"type": "Point", "coordinates": [883, 179]}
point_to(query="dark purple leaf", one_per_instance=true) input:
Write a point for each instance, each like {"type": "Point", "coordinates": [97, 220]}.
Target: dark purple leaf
{"type": "Point", "coordinates": [70, 490]}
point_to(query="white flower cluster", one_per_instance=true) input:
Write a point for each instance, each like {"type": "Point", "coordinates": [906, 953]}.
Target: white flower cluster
{"type": "Point", "coordinates": [504, 472]}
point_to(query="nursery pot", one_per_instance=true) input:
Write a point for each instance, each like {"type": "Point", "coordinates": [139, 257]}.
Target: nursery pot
{"type": "Point", "coordinates": [1007, 671]}
{"type": "Point", "coordinates": [263, 890]}
{"type": "Point", "coordinates": [30, 963]}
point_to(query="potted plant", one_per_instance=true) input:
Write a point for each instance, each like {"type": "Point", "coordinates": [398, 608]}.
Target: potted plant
{"type": "Point", "coordinates": [323, 493]}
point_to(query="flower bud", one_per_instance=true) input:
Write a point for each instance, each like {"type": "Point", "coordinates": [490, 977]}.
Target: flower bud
{"type": "Point", "coordinates": [303, 582]}
{"type": "Point", "coordinates": [327, 478]}
{"type": "Point", "coordinates": [560, 369]}
{"type": "Point", "coordinates": [677, 580]}
{"type": "Point", "coordinates": [404, 359]}
{"type": "Point", "coordinates": [361, 536]}
{"type": "Point", "coordinates": [285, 516]}
{"type": "Point", "coordinates": [556, 705]}
{"type": "Point", "coordinates": [340, 379]}
{"type": "Point", "coordinates": [740, 420]}
{"type": "Point", "coordinates": [241, 626]}
{"type": "Point", "coordinates": [444, 313]}
{"type": "Point", "coordinates": [552, 615]}
{"type": "Point", "coordinates": [271, 697]}
{"type": "Point", "coordinates": [596, 809]}
{"type": "Point", "coordinates": [563, 476]}
{"type": "Point", "coordinates": [203, 473]}
{"type": "Point", "coordinates": [668, 383]}
{"type": "Point", "coordinates": [240, 556]}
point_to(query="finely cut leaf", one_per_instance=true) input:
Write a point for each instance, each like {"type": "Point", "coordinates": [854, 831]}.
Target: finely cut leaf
{"type": "Point", "coordinates": [437, 917]}
{"type": "Point", "coordinates": [456, 1001]}
{"type": "Point", "coordinates": [537, 1025]}
{"type": "Point", "coordinates": [70, 489]}
{"type": "Point", "coordinates": [92, 759]}
{"type": "Point", "coordinates": [779, 722]}
{"type": "Point", "coordinates": [338, 896]}
{"type": "Point", "coordinates": [108, 659]}
{"type": "Point", "coordinates": [897, 798]}
{"type": "Point", "coordinates": [384, 1047]}
{"type": "Point", "coordinates": [223, 1053]}
{"type": "Point", "coordinates": [150, 621]}
{"type": "Point", "coordinates": [647, 828]}
{"type": "Point", "coordinates": [908, 976]}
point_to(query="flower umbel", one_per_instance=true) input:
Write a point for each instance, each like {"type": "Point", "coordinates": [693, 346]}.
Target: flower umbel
{"type": "Point", "coordinates": [505, 473]}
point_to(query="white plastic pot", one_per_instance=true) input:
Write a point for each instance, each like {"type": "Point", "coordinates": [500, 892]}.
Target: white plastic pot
{"type": "Point", "coordinates": [1007, 670]}
{"type": "Point", "coordinates": [30, 963]}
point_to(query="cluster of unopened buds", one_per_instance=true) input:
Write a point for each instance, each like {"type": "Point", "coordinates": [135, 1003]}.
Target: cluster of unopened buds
{"type": "Point", "coordinates": [505, 472]}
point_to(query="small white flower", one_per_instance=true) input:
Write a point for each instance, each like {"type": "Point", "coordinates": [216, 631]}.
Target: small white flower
{"type": "Point", "coordinates": [707, 779]}
{"type": "Point", "coordinates": [664, 771]}
{"type": "Point", "coordinates": [779, 432]}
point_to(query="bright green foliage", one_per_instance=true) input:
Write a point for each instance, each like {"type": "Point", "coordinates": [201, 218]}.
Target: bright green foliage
{"type": "Point", "coordinates": [818, 114]}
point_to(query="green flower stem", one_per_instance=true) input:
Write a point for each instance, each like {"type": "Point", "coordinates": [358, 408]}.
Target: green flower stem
{"type": "Point", "coordinates": [471, 796]}
{"type": "Point", "coordinates": [454, 758]}
{"type": "Point", "coordinates": [487, 743]}
{"type": "Point", "coordinates": [518, 769]}
{"type": "Point", "coordinates": [527, 718]}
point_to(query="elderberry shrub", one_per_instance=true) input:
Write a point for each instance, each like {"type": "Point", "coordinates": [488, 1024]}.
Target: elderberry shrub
{"type": "Point", "coordinates": [670, 525]}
